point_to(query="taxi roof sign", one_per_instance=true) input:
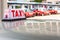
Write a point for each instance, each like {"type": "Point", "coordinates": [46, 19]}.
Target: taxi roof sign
{"type": "Point", "coordinates": [13, 14]}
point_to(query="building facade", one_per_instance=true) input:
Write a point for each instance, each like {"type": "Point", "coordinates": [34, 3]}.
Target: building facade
{"type": "Point", "coordinates": [21, 0]}
{"type": "Point", "coordinates": [53, 1]}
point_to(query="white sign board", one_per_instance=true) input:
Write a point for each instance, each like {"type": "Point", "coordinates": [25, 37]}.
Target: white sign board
{"type": "Point", "coordinates": [13, 14]}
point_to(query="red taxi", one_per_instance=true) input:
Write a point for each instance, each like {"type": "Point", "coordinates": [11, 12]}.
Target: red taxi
{"type": "Point", "coordinates": [29, 14]}
{"type": "Point", "coordinates": [52, 11]}
{"type": "Point", "coordinates": [40, 12]}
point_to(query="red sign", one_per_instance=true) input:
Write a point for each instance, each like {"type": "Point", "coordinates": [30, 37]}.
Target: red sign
{"type": "Point", "coordinates": [16, 13]}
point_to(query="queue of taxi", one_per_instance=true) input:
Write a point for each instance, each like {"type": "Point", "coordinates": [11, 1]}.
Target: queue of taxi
{"type": "Point", "coordinates": [40, 12]}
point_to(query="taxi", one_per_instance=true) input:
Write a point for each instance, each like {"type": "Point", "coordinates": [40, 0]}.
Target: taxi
{"type": "Point", "coordinates": [52, 11]}
{"type": "Point", "coordinates": [29, 13]}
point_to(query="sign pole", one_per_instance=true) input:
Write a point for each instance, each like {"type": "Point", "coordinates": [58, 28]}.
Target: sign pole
{"type": "Point", "coordinates": [0, 8]}
{"type": "Point", "coordinates": [3, 6]}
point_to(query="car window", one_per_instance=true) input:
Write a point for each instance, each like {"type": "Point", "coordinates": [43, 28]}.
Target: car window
{"type": "Point", "coordinates": [42, 9]}
{"type": "Point", "coordinates": [58, 7]}
{"type": "Point", "coordinates": [51, 8]}
{"type": "Point", "coordinates": [26, 6]}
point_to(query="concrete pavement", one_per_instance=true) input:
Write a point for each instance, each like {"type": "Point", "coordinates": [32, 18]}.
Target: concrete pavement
{"type": "Point", "coordinates": [33, 27]}
{"type": "Point", "coordinates": [26, 36]}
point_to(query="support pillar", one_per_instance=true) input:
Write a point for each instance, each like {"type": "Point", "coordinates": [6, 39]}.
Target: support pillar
{"type": "Point", "coordinates": [3, 6]}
